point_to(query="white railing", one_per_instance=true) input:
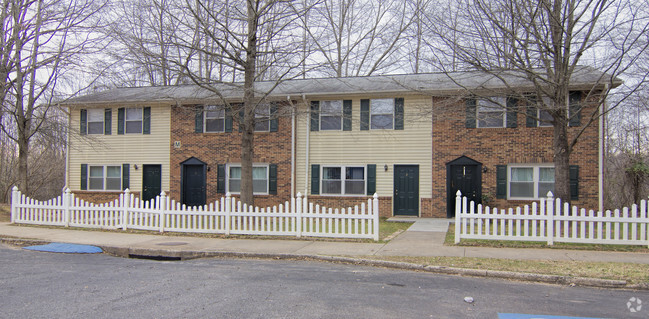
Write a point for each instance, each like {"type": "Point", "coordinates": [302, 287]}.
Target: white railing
{"type": "Point", "coordinates": [227, 216]}
{"type": "Point", "coordinates": [551, 221]}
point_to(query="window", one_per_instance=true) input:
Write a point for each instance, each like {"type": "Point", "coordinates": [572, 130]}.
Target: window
{"type": "Point", "coordinates": [530, 181]}
{"type": "Point", "coordinates": [343, 180]}
{"type": "Point", "coordinates": [214, 119]}
{"type": "Point", "coordinates": [259, 179]}
{"type": "Point", "coordinates": [133, 120]}
{"type": "Point", "coordinates": [262, 118]}
{"type": "Point", "coordinates": [382, 114]}
{"type": "Point", "coordinates": [491, 112]}
{"type": "Point", "coordinates": [331, 115]}
{"type": "Point", "coordinates": [105, 178]}
{"type": "Point", "coordinates": [545, 117]}
{"type": "Point", "coordinates": [96, 121]}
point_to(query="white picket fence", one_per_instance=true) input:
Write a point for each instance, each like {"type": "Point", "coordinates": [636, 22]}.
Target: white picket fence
{"type": "Point", "coordinates": [227, 216]}
{"type": "Point", "coordinates": [551, 221]}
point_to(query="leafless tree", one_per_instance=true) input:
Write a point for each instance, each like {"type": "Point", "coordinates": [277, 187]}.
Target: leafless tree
{"type": "Point", "coordinates": [546, 42]}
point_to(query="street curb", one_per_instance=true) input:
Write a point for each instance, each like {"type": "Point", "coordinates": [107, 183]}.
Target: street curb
{"type": "Point", "coordinates": [510, 275]}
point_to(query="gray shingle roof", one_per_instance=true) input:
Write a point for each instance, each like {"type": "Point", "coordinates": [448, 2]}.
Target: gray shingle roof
{"type": "Point", "coordinates": [429, 83]}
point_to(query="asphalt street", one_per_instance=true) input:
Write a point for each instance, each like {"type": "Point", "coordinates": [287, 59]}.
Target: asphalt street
{"type": "Point", "coordinates": [49, 285]}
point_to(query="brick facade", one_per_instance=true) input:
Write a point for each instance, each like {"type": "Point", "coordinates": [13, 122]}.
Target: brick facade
{"type": "Point", "coordinates": [99, 197]}
{"type": "Point", "coordinates": [503, 146]}
{"type": "Point", "coordinates": [225, 148]}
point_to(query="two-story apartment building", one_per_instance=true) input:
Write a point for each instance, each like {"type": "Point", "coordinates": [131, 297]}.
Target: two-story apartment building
{"type": "Point", "coordinates": [412, 139]}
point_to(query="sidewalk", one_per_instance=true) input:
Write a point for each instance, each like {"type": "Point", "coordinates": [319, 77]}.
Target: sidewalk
{"type": "Point", "coordinates": [425, 237]}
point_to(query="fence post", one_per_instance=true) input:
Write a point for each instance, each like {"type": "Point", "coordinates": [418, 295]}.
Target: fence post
{"type": "Point", "coordinates": [163, 210]}
{"type": "Point", "coordinates": [126, 203]}
{"type": "Point", "coordinates": [375, 211]}
{"type": "Point", "coordinates": [458, 211]}
{"type": "Point", "coordinates": [549, 211]}
{"type": "Point", "coordinates": [66, 206]}
{"type": "Point", "coordinates": [228, 207]}
{"type": "Point", "coordinates": [15, 198]}
{"type": "Point", "coordinates": [298, 210]}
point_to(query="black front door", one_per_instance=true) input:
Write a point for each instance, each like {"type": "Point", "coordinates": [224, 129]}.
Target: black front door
{"type": "Point", "coordinates": [406, 190]}
{"type": "Point", "coordinates": [464, 175]}
{"type": "Point", "coordinates": [193, 190]}
{"type": "Point", "coordinates": [151, 181]}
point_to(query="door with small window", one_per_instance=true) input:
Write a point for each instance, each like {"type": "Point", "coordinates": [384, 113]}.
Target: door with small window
{"type": "Point", "coordinates": [464, 175]}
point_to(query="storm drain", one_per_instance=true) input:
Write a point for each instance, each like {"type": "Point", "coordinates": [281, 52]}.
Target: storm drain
{"type": "Point", "coordinates": [157, 258]}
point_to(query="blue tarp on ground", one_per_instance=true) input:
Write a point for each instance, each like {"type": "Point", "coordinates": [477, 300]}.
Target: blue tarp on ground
{"type": "Point", "coordinates": [66, 248]}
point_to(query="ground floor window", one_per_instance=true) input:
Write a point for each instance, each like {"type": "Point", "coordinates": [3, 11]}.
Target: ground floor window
{"type": "Point", "coordinates": [343, 180]}
{"type": "Point", "coordinates": [259, 179]}
{"type": "Point", "coordinates": [104, 177]}
{"type": "Point", "coordinates": [530, 181]}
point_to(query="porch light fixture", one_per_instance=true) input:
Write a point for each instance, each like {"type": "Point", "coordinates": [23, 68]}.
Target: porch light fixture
{"type": "Point", "coordinates": [385, 167]}
{"type": "Point", "coordinates": [484, 169]}
{"type": "Point", "coordinates": [135, 166]}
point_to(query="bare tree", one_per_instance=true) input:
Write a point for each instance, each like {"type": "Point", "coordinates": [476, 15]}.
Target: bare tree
{"type": "Point", "coordinates": [546, 42]}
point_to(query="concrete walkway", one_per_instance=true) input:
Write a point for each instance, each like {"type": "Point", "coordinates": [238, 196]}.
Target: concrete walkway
{"type": "Point", "coordinates": [425, 237]}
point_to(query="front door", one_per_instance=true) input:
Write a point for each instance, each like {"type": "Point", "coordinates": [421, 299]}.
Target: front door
{"type": "Point", "coordinates": [406, 190]}
{"type": "Point", "coordinates": [464, 175]}
{"type": "Point", "coordinates": [193, 190]}
{"type": "Point", "coordinates": [151, 181]}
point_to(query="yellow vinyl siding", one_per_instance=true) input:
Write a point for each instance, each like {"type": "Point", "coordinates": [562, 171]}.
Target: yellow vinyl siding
{"type": "Point", "coordinates": [120, 149]}
{"type": "Point", "coordinates": [413, 145]}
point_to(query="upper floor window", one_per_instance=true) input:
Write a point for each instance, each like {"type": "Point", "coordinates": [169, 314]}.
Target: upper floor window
{"type": "Point", "coordinates": [105, 178]}
{"type": "Point", "coordinates": [346, 180]}
{"type": "Point", "coordinates": [214, 119]}
{"type": "Point", "coordinates": [530, 181]}
{"type": "Point", "coordinates": [381, 114]}
{"type": "Point", "coordinates": [331, 115]}
{"type": "Point", "coordinates": [259, 179]}
{"type": "Point", "coordinates": [262, 118]}
{"type": "Point", "coordinates": [96, 121]}
{"type": "Point", "coordinates": [133, 120]}
{"type": "Point", "coordinates": [491, 112]}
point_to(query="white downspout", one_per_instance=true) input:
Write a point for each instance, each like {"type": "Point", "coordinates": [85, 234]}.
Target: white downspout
{"type": "Point", "coordinates": [306, 161]}
{"type": "Point", "coordinates": [601, 152]}
{"type": "Point", "coordinates": [67, 151]}
{"type": "Point", "coordinates": [288, 97]}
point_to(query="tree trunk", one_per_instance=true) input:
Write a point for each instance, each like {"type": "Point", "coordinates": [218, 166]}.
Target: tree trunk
{"type": "Point", "coordinates": [561, 162]}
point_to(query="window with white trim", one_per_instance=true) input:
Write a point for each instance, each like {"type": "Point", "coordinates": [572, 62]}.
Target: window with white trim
{"type": "Point", "coordinates": [214, 119]}
{"type": "Point", "coordinates": [343, 180]}
{"type": "Point", "coordinates": [259, 179]}
{"type": "Point", "coordinates": [105, 178]}
{"type": "Point", "coordinates": [491, 112]}
{"type": "Point", "coordinates": [331, 115]}
{"type": "Point", "coordinates": [530, 181]}
{"type": "Point", "coordinates": [262, 118]}
{"type": "Point", "coordinates": [133, 120]}
{"type": "Point", "coordinates": [382, 114]}
{"type": "Point", "coordinates": [96, 121]}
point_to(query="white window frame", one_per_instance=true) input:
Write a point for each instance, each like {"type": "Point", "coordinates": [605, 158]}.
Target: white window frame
{"type": "Point", "coordinates": [343, 179]}
{"type": "Point", "coordinates": [227, 178]}
{"type": "Point", "coordinates": [100, 112]}
{"type": "Point", "coordinates": [535, 179]}
{"type": "Point", "coordinates": [259, 115]}
{"type": "Point", "coordinates": [104, 178]}
{"type": "Point", "coordinates": [496, 102]}
{"type": "Point", "coordinates": [331, 114]}
{"type": "Point", "coordinates": [213, 108]}
{"type": "Point", "coordinates": [141, 120]}
{"type": "Point", "coordinates": [372, 114]}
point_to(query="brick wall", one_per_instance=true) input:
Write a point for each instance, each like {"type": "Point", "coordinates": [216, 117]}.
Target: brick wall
{"type": "Point", "coordinates": [225, 148]}
{"type": "Point", "coordinates": [99, 197]}
{"type": "Point", "coordinates": [502, 146]}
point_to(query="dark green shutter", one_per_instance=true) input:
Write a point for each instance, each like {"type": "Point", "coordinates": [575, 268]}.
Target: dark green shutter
{"type": "Point", "coordinates": [84, 177]}
{"type": "Point", "coordinates": [575, 108]}
{"type": "Point", "coordinates": [108, 121]}
{"type": "Point", "coordinates": [371, 179]}
{"type": "Point", "coordinates": [120, 120]}
{"type": "Point", "coordinates": [146, 120]}
{"type": "Point", "coordinates": [512, 112]}
{"type": "Point", "coordinates": [470, 113]}
{"type": "Point", "coordinates": [315, 179]}
{"type": "Point", "coordinates": [398, 113]}
{"type": "Point", "coordinates": [220, 178]}
{"type": "Point", "coordinates": [272, 179]}
{"type": "Point", "coordinates": [273, 117]}
{"type": "Point", "coordinates": [501, 181]}
{"type": "Point", "coordinates": [228, 121]}
{"type": "Point", "coordinates": [347, 115]}
{"type": "Point", "coordinates": [365, 115]}
{"type": "Point", "coordinates": [126, 174]}
{"type": "Point", "coordinates": [83, 127]}
{"type": "Point", "coordinates": [315, 115]}
{"type": "Point", "coordinates": [198, 119]}
{"type": "Point", "coordinates": [241, 118]}
{"type": "Point", "coordinates": [574, 182]}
